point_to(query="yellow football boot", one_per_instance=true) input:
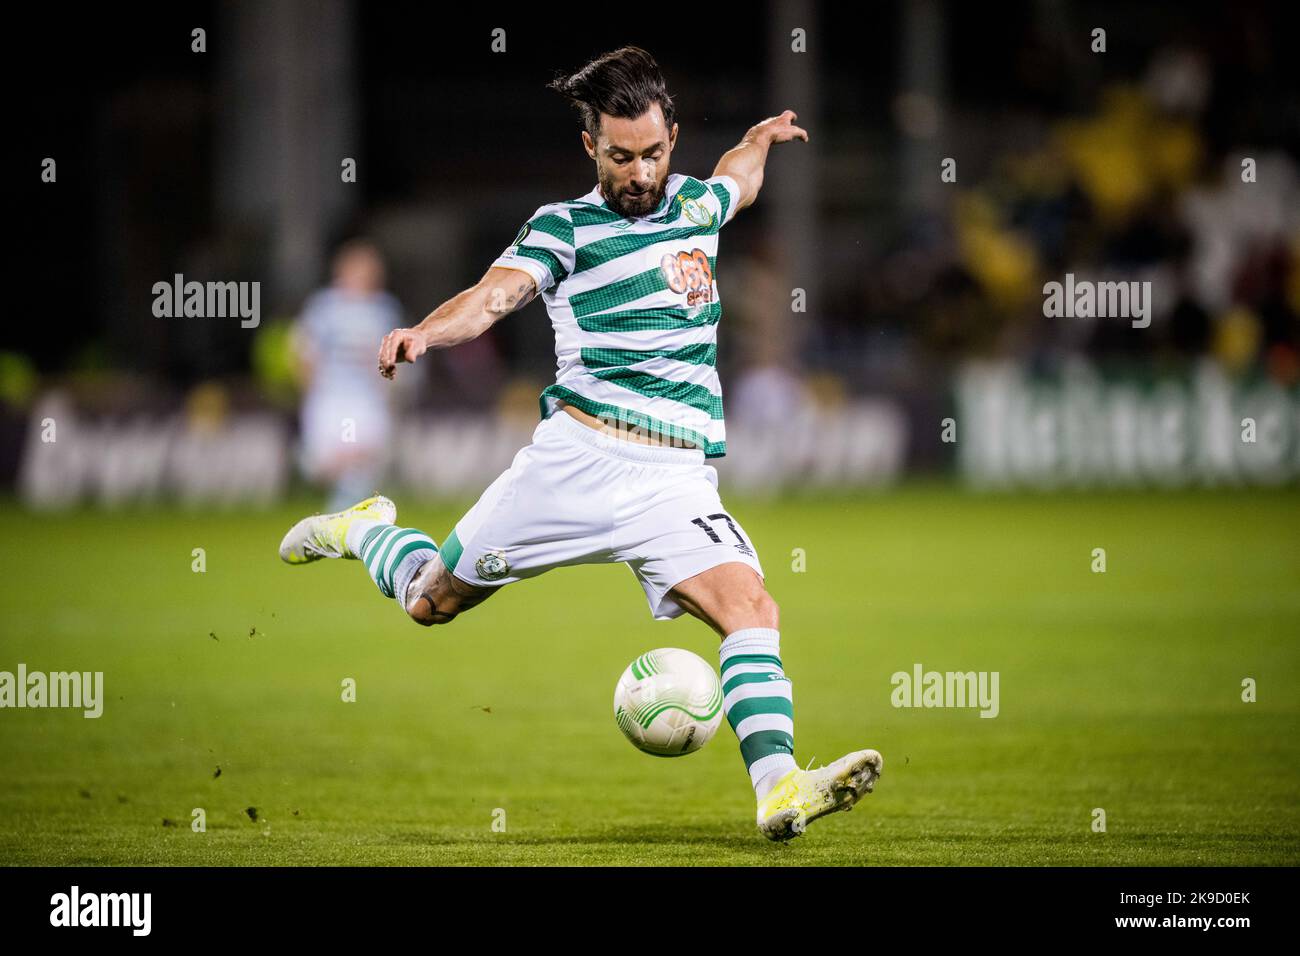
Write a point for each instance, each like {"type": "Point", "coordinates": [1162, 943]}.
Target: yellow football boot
{"type": "Point", "coordinates": [325, 536]}
{"type": "Point", "coordinates": [802, 796]}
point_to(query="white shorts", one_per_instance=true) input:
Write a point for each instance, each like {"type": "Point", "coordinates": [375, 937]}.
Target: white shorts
{"type": "Point", "coordinates": [577, 496]}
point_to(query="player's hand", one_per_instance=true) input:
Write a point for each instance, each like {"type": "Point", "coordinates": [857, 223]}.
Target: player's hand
{"type": "Point", "coordinates": [781, 129]}
{"type": "Point", "coordinates": [399, 345]}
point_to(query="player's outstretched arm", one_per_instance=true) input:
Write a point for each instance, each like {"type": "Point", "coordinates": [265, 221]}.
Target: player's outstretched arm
{"type": "Point", "coordinates": [461, 318]}
{"type": "Point", "coordinates": [744, 162]}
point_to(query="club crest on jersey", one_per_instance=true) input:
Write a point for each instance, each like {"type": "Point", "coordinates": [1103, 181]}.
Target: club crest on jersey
{"type": "Point", "coordinates": [696, 212]}
{"type": "Point", "coordinates": [492, 565]}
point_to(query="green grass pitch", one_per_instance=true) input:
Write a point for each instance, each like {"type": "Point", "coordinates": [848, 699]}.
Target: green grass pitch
{"type": "Point", "coordinates": [1119, 691]}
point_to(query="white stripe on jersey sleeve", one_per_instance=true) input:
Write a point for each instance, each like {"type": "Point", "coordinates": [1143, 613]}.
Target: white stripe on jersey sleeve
{"type": "Point", "coordinates": [541, 275]}
{"type": "Point", "coordinates": [732, 188]}
{"type": "Point", "coordinates": [511, 259]}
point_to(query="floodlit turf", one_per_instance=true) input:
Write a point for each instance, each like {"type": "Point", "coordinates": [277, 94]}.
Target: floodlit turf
{"type": "Point", "coordinates": [1119, 691]}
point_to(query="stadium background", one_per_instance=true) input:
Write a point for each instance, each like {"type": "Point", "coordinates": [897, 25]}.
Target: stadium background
{"type": "Point", "coordinates": [924, 459]}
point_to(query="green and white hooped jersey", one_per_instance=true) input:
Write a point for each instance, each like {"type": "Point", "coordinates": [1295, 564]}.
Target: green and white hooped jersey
{"type": "Point", "coordinates": [635, 307]}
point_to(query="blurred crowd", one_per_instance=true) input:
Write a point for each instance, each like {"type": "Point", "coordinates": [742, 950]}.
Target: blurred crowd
{"type": "Point", "coordinates": [1137, 188]}
{"type": "Point", "coordinates": [1181, 169]}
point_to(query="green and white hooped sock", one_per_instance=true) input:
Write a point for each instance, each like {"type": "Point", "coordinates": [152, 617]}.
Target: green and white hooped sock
{"type": "Point", "coordinates": [391, 554]}
{"type": "Point", "coordinates": [759, 706]}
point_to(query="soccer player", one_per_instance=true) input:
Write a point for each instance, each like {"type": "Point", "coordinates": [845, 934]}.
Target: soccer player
{"type": "Point", "coordinates": [346, 422]}
{"type": "Point", "coordinates": [617, 467]}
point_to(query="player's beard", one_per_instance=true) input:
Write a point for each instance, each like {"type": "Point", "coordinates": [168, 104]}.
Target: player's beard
{"type": "Point", "coordinates": [629, 206]}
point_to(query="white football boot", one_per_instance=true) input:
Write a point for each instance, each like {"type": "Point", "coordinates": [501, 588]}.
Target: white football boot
{"type": "Point", "coordinates": [802, 796]}
{"type": "Point", "coordinates": [325, 536]}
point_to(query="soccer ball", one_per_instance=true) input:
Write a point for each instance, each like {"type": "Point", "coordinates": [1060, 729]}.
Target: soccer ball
{"type": "Point", "coordinates": [668, 702]}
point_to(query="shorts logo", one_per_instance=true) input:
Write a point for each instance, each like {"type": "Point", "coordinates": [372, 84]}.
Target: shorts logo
{"type": "Point", "coordinates": [492, 565]}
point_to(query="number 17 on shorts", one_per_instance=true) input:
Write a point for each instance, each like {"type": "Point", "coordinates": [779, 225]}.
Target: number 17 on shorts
{"type": "Point", "coordinates": [705, 524]}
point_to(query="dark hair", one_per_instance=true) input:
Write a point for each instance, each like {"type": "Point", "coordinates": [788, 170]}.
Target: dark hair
{"type": "Point", "coordinates": [621, 83]}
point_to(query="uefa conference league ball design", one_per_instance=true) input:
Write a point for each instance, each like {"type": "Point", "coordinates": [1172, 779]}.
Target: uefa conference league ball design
{"type": "Point", "coordinates": [668, 702]}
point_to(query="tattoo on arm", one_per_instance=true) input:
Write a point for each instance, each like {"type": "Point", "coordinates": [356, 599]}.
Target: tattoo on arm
{"type": "Point", "coordinates": [502, 302]}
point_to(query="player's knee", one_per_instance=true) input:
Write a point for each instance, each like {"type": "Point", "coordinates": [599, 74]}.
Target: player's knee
{"type": "Point", "coordinates": [764, 609]}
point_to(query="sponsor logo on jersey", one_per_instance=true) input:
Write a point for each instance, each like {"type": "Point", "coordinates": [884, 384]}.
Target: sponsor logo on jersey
{"type": "Point", "coordinates": [689, 273]}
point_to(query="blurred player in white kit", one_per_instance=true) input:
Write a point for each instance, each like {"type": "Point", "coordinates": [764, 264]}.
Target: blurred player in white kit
{"type": "Point", "coordinates": [346, 418]}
